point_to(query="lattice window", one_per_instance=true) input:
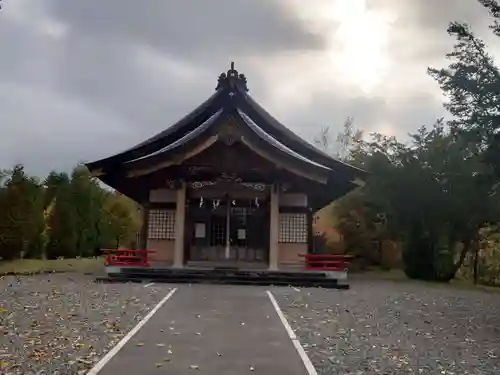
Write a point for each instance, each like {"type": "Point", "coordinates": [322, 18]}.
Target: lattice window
{"type": "Point", "coordinates": [293, 228]}
{"type": "Point", "coordinates": [161, 224]}
{"type": "Point", "coordinates": [218, 233]}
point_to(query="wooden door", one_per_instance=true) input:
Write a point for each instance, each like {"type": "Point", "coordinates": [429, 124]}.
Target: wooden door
{"type": "Point", "coordinates": [248, 231]}
{"type": "Point", "coordinates": [207, 230]}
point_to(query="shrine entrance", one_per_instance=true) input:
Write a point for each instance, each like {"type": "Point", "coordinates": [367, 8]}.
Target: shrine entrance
{"type": "Point", "coordinates": [224, 229]}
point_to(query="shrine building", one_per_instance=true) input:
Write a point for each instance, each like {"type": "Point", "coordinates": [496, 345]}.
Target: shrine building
{"type": "Point", "coordinates": [228, 184]}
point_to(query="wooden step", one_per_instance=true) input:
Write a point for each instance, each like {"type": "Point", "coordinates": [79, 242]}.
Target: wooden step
{"type": "Point", "coordinates": [224, 275]}
{"type": "Point", "coordinates": [222, 272]}
{"type": "Point", "coordinates": [326, 283]}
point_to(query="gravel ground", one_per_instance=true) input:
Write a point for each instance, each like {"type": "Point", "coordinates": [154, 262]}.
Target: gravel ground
{"type": "Point", "coordinates": [63, 324]}
{"type": "Point", "coordinates": [384, 327]}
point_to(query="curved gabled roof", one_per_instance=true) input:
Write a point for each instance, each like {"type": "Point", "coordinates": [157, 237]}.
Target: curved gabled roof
{"type": "Point", "coordinates": [184, 139]}
{"type": "Point", "coordinates": [185, 125]}
{"type": "Point", "coordinates": [250, 134]}
{"type": "Point", "coordinates": [231, 94]}
{"type": "Point", "coordinates": [277, 144]}
{"type": "Point", "coordinates": [293, 140]}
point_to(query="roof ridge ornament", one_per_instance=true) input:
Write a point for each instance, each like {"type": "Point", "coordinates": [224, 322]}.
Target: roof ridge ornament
{"type": "Point", "coordinates": [232, 79]}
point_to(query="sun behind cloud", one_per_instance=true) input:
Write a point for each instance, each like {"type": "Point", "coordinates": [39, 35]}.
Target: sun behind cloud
{"type": "Point", "coordinates": [357, 41]}
{"type": "Point", "coordinates": [363, 34]}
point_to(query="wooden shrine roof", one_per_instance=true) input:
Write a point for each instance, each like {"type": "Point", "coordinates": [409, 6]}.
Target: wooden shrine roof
{"type": "Point", "coordinates": [231, 92]}
{"type": "Point", "coordinates": [231, 100]}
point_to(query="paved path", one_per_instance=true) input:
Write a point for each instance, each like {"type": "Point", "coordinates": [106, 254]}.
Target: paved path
{"type": "Point", "coordinates": [223, 330]}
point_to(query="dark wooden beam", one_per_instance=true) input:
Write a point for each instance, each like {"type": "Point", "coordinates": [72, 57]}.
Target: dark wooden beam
{"type": "Point", "coordinates": [310, 232]}
{"type": "Point", "coordinates": [293, 210]}
{"type": "Point", "coordinates": [163, 205]}
{"type": "Point", "coordinates": [144, 228]}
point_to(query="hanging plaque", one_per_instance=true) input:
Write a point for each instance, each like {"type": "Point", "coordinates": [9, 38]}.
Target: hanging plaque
{"type": "Point", "coordinates": [242, 234]}
{"type": "Point", "coordinates": [200, 230]}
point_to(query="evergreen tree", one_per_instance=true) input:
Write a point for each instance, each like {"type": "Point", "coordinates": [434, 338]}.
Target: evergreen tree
{"type": "Point", "coordinates": [63, 217]}
{"type": "Point", "coordinates": [21, 221]}
{"type": "Point", "coordinates": [429, 194]}
{"type": "Point", "coordinates": [52, 183]}
{"type": "Point", "coordinates": [119, 215]}
{"type": "Point", "coordinates": [471, 82]}
{"type": "Point", "coordinates": [86, 204]}
{"type": "Point", "coordinates": [61, 222]}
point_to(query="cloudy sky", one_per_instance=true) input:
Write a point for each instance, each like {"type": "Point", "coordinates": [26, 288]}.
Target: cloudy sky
{"type": "Point", "coordinates": [82, 79]}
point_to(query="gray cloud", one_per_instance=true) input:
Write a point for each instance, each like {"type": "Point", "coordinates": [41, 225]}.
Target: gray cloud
{"type": "Point", "coordinates": [420, 27]}
{"type": "Point", "coordinates": [190, 28]}
{"type": "Point", "coordinates": [80, 80]}
{"type": "Point", "coordinates": [46, 131]}
{"type": "Point", "coordinates": [398, 116]}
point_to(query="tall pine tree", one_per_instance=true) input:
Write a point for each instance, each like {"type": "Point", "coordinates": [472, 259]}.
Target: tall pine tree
{"type": "Point", "coordinates": [471, 83]}
{"type": "Point", "coordinates": [61, 221]}
{"type": "Point", "coordinates": [21, 217]}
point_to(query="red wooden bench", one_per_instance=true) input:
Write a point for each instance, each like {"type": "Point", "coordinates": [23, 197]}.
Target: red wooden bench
{"type": "Point", "coordinates": [326, 262]}
{"type": "Point", "coordinates": [125, 257]}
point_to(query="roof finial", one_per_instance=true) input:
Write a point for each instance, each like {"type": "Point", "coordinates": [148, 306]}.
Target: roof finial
{"type": "Point", "coordinates": [231, 79]}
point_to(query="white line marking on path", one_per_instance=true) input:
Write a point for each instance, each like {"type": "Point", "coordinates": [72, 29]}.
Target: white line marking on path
{"type": "Point", "coordinates": [99, 365]}
{"type": "Point", "coordinates": [148, 285]}
{"type": "Point", "coordinates": [302, 354]}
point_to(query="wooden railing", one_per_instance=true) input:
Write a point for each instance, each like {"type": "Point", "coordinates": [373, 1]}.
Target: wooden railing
{"type": "Point", "coordinates": [124, 257]}
{"type": "Point", "coordinates": [326, 262]}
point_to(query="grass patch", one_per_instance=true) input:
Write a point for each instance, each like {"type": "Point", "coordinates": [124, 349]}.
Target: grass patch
{"type": "Point", "coordinates": [467, 284]}
{"type": "Point", "coordinates": [459, 283]}
{"type": "Point", "coordinates": [33, 266]}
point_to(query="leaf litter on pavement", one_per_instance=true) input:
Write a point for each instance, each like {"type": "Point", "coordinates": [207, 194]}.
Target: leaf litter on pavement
{"type": "Point", "coordinates": [60, 324]}
{"type": "Point", "coordinates": [379, 327]}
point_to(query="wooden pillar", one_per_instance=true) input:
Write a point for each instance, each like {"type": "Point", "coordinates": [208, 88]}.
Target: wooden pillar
{"type": "Point", "coordinates": [274, 228]}
{"type": "Point", "coordinates": [144, 228]}
{"type": "Point", "coordinates": [227, 252]}
{"type": "Point", "coordinates": [310, 231]}
{"type": "Point", "coordinates": [180, 222]}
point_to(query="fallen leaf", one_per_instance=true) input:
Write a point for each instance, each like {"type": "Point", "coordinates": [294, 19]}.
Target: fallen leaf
{"type": "Point", "coordinates": [85, 362]}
